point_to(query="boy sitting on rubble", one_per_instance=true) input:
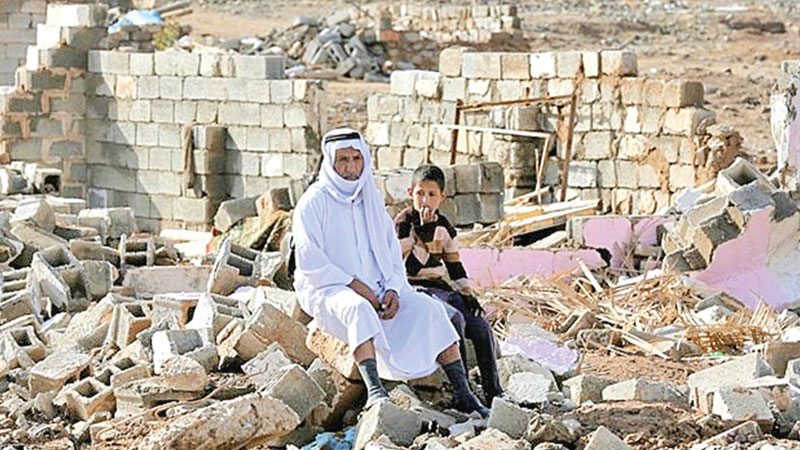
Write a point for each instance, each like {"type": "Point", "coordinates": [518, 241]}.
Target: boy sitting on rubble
{"type": "Point", "coordinates": [431, 256]}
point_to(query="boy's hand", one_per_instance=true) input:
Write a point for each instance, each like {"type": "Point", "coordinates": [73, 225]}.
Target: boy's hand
{"type": "Point", "coordinates": [391, 304]}
{"type": "Point", "coordinates": [428, 215]}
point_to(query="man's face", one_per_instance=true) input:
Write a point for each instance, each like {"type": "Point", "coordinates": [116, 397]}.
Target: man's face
{"type": "Point", "coordinates": [348, 163]}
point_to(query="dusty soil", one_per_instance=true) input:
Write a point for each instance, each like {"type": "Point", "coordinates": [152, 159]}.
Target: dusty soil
{"type": "Point", "coordinates": [653, 368]}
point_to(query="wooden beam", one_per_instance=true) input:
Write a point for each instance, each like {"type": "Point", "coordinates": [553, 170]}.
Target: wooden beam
{"type": "Point", "coordinates": [533, 134]}
{"type": "Point", "coordinates": [568, 147]}
{"type": "Point", "coordinates": [521, 101]}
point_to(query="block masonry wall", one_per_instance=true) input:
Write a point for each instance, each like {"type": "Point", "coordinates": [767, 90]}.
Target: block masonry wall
{"type": "Point", "coordinates": [18, 21]}
{"type": "Point", "coordinates": [114, 123]}
{"type": "Point", "coordinates": [636, 143]}
{"type": "Point", "coordinates": [451, 23]}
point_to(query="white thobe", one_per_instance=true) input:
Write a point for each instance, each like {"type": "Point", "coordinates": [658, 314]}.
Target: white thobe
{"type": "Point", "coordinates": [332, 248]}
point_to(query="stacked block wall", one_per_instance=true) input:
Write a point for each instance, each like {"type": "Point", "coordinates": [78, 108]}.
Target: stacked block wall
{"type": "Point", "coordinates": [451, 23]}
{"type": "Point", "coordinates": [138, 104]}
{"type": "Point", "coordinates": [636, 141]}
{"type": "Point", "coordinates": [18, 21]}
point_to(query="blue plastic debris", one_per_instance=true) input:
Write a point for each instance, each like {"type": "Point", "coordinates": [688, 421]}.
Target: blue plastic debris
{"type": "Point", "coordinates": [333, 441]}
{"type": "Point", "coordinates": [137, 17]}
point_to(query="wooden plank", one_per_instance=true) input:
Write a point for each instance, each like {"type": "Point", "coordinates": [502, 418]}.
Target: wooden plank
{"type": "Point", "coordinates": [522, 101]}
{"type": "Point", "coordinates": [568, 148]}
{"type": "Point", "coordinates": [533, 134]}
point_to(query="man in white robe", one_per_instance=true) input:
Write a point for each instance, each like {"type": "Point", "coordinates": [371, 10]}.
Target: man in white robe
{"type": "Point", "coordinates": [351, 278]}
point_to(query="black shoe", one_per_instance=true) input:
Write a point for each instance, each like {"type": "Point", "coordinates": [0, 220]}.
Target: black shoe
{"type": "Point", "coordinates": [376, 398]}
{"type": "Point", "coordinates": [472, 404]}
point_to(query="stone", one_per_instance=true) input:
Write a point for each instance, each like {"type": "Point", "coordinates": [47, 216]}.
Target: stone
{"type": "Point", "coordinates": [295, 388]}
{"type": "Point", "coordinates": [642, 390]}
{"type": "Point", "coordinates": [140, 395]}
{"type": "Point", "coordinates": [340, 393]}
{"type": "Point", "coordinates": [543, 428]}
{"type": "Point", "coordinates": [748, 432]}
{"type": "Point", "coordinates": [543, 65]}
{"type": "Point", "coordinates": [512, 364]}
{"type": "Point", "coordinates": [184, 374]}
{"type": "Point", "coordinates": [584, 388]}
{"type": "Point", "coordinates": [401, 426]}
{"type": "Point", "coordinates": [37, 212]}
{"type": "Point", "coordinates": [151, 281]}
{"type": "Point", "coordinates": [529, 387]}
{"type": "Point", "coordinates": [451, 60]}
{"type": "Point", "coordinates": [268, 324]}
{"type": "Point", "coordinates": [515, 66]}
{"type": "Point", "coordinates": [733, 373]}
{"type": "Point", "coordinates": [618, 63]}
{"type": "Point", "coordinates": [739, 405]}
{"type": "Point", "coordinates": [54, 371]}
{"type": "Point", "coordinates": [493, 439]}
{"type": "Point", "coordinates": [194, 344]}
{"type": "Point", "coordinates": [232, 423]}
{"type": "Point", "coordinates": [333, 351]}
{"type": "Point", "coordinates": [263, 366]}
{"type": "Point", "coordinates": [603, 439]}
{"type": "Point", "coordinates": [482, 65]}
{"type": "Point", "coordinates": [680, 93]}
{"type": "Point", "coordinates": [509, 418]}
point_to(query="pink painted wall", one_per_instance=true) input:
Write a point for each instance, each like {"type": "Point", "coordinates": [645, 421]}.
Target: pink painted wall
{"type": "Point", "coordinates": [740, 266]}
{"type": "Point", "coordinates": [490, 266]}
{"type": "Point", "coordinates": [613, 233]}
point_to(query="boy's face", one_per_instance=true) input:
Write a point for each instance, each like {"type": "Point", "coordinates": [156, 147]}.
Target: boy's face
{"type": "Point", "coordinates": [426, 196]}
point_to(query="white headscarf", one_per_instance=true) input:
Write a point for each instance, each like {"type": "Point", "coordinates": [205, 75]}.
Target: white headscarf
{"type": "Point", "coordinates": [362, 190]}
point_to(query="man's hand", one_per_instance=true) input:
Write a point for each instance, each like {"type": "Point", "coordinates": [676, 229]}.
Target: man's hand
{"type": "Point", "coordinates": [391, 304]}
{"type": "Point", "coordinates": [363, 290]}
{"type": "Point", "coordinates": [428, 215]}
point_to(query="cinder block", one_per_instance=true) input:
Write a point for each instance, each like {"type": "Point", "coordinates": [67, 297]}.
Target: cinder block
{"type": "Point", "coordinates": [481, 65]}
{"type": "Point", "coordinates": [258, 91]}
{"type": "Point", "coordinates": [109, 62]}
{"type": "Point", "coordinates": [142, 64]}
{"type": "Point", "coordinates": [509, 418]}
{"type": "Point", "coordinates": [147, 134]}
{"type": "Point", "coordinates": [620, 63]}
{"type": "Point", "coordinates": [260, 67]}
{"type": "Point", "coordinates": [568, 64]}
{"type": "Point", "coordinates": [598, 145]}
{"type": "Point", "coordinates": [627, 174]}
{"type": "Point", "coordinates": [451, 60]}
{"type": "Point", "coordinates": [654, 92]}
{"type": "Point", "coordinates": [166, 63]}
{"type": "Point", "coordinates": [187, 64]}
{"type": "Point", "coordinates": [685, 121]}
{"type": "Point", "coordinates": [140, 111]}
{"type": "Point", "coordinates": [681, 177]}
{"type": "Point", "coordinates": [281, 91]}
{"type": "Point", "coordinates": [515, 66]}
{"type": "Point", "coordinates": [543, 65]}
{"type": "Point", "coordinates": [240, 114]}
{"type": "Point", "coordinates": [83, 15]}
{"type": "Point", "coordinates": [680, 93]}
{"type": "Point", "coordinates": [400, 425]}
{"type": "Point", "coordinates": [169, 135]}
{"type": "Point", "coordinates": [295, 387]}
{"type": "Point", "coordinates": [163, 111]}
{"type": "Point", "coordinates": [591, 64]}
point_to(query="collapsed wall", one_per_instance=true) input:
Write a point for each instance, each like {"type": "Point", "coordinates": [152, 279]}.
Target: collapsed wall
{"type": "Point", "coordinates": [636, 141]}
{"type": "Point", "coordinates": [170, 134]}
{"type": "Point", "coordinates": [18, 21]}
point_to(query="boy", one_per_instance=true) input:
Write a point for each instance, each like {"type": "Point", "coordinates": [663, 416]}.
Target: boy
{"type": "Point", "coordinates": [431, 254]}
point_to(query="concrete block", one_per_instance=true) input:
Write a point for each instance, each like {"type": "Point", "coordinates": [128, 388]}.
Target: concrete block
{"type": "Point", "coordinates": [627, 174]}
{"type": "Point", "coordinates": [184, 374]}
{"type": "Point", "coordinates": [591, 64]}
{"type": "Point", "coordinates": [403, 82]}
{"type": "Point", "coordinates": [468, 209]}
{"type": "Point", "coordinates": [268, 324]}
{"type": "Point", "coordinates": [583, 174]}
{"type": "Point", "coordinates": [451, 60]}
{"type": "Point", "coordinates": [686, 121]}
{"type": "Point", "coordinates": [568, 64]}
{"type": "Point", "coordinates": [653, 94]}
{"type": "Point", "coordinates": [543, 65]}
{"type": "Point", "coordinates": [281, 91]}
{"type": "Point", "coordinates": [194, 344]}
{"type": "Point", "coordinates": [681, 177]}
{"type": "Point", "coordinates": [167, 63]}
{"type": "Point", "coordinates": [332, 351]}
{"type": "Point", "coordinates": [509, 418]}
{"type": "Point", "coordinates": [748, 432]}
{"type": "Point", "coordinates": [733, 373]}
{"type": "Point", "coordinates": [259, 67]}
{"type": "Point", "coordinates": [239, 114]}
{"type": "Point", "coordinates": [54, 371]}
{"type": "Point", "coordinates": [619, 63]}
{"type": "Point", "coordinates": [142, 64]}
{"type": "Point", "coordinates": [400, 425]}
{"type": "Point", "coordinates": [109, 62]}
{"type": "Point", "coordinates": [515, 66]}
{"type": "Point", "coordinates": [88, 397]}
{"type": "Point", "coordinates": [132, 318]}
{"type": "Point", "coordinates": [481, 65]}
{"type": "Point", "coordinates": [530, 387]}
{"type": "Point", "coordinates": [738, 405]}
{"type": "Point", "coordinates": [598, 145]}
{"type": "Point", "coordinates": [35, 211]}
{"type": "Point", "coordinates": [584, 388]}
{"type": "Point", "coordinates": [680, 93]}
{"type": "Point", "coordinates": [295, 387]}
{"type": "Point", "coordinates": [82, 15]}
{"type": "Point", "coordinates": [642, 390]}
{"type": "Point", "coordinates": [603, 439]}
{"type": "Point", "coordinates": [340, 393]}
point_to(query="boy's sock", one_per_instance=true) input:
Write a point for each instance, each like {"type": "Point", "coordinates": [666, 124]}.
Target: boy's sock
{"type": "Point", "coordinates": [465, 399]}
{"type": "Point", "coordinates": [368, 369]}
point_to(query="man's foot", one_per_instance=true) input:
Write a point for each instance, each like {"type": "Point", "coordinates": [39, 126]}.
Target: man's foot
{"type": "Point", "coordinates": [470, 404]}
{"type": "Point", "coordinates": [376, 397]}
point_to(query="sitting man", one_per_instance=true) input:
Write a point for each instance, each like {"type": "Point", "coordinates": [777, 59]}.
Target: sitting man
{"type": "Point", "coordinates": [351, 278]}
